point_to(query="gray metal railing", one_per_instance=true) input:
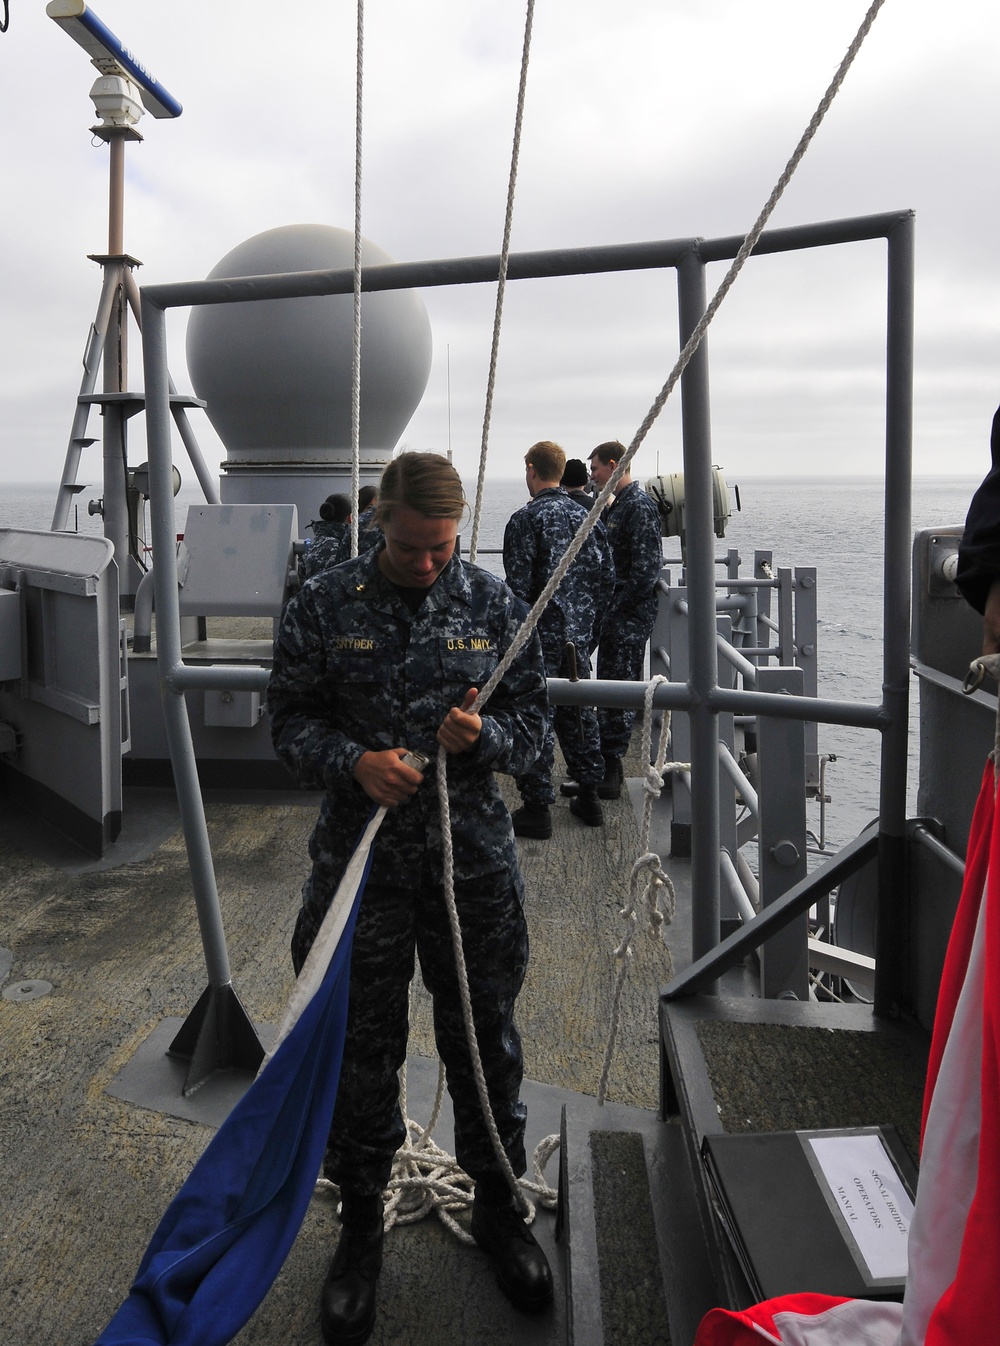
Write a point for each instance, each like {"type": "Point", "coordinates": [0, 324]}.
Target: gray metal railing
{"type": "Point", "coordinates": [701, 695]}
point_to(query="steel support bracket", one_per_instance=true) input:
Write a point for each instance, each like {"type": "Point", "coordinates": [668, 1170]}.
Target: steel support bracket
{"type": "Point", "coordinates": [217, 1035]}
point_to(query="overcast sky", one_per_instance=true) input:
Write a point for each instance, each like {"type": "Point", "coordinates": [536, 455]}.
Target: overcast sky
{"type": "Point", "coordinates": [644, 119]}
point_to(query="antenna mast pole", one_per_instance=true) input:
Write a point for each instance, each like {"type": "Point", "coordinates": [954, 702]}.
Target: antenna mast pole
{"type": "Point", "coordinates": [123, 87]}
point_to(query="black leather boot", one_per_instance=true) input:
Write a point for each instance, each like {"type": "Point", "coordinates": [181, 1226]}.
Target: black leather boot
{"type": "Point", "coordinates": [533, 820]}
{"type": "Point", "coordinates": [521, 1267]}
{"type": "Point", "coordinates": [587, 807]}
{"type": "Point", "coordinates": [614, 778]}
{"type": "Point", "coordinates": [347, 1313]}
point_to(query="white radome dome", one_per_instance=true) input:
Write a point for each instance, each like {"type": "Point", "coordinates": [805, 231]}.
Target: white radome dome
{"type": "Point", "coordinates": [276, 374]}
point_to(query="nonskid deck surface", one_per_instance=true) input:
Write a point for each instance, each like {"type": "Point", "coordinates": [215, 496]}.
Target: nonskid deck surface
{"type": "Point", "coordinates": [89, 1174]}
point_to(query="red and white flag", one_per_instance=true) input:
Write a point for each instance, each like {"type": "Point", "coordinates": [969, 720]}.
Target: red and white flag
{"type": "Point", "coordinates": [954, 1241]}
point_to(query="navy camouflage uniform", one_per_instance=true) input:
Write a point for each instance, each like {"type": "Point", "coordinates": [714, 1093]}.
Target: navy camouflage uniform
{"type": "Point", "coordinates": [356, 669]}
{"type": "Point", "coordinates": [331, 544]}
{"type": "Point", "coordinates": [633, 524]}
{"type": "Point", "coordinates": [369, 532]}
{"type": "Point", "coordinates": [535, 540]}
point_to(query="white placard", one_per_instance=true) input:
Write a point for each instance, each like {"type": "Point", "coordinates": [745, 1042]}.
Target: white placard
{"type": "Point", "coordinates": [868, 1195]}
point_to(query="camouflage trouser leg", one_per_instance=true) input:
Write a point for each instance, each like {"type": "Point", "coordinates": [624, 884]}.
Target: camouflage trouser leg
{"type": "Point", "coordinates": [367, 1124]}
{"type": "Point", "coordinates": [535, 786]}
{"type": "Point", "coordinates": [495, 943]}
{"type": "Point", "coordinates": [579, 733]}
{"type": "Point", "coordinates": [620, 658]}
{"type": "Point", "coordinates": [577, 730]}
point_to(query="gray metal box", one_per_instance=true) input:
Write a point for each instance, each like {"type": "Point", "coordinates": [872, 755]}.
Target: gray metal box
{"type": "Point", "coordinates": [10, 635]}
{"type": "Point", "coordinates": [235, 559]}
{"type": "Point", "coordinates": [232, 710]}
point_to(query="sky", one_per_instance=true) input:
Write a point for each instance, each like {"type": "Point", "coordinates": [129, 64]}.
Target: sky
{"type": "Point", "coordinates": [645, 119]}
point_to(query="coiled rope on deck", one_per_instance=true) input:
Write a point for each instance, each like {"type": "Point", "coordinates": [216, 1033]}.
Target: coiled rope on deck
{"type": "Point", "coordinates": [428, 1180]}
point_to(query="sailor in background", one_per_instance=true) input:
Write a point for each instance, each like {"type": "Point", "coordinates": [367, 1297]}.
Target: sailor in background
{"type": "Point", "coordinates": [574, 478]}
{"type": "Point", "coordinates": [330, 531]}
{"type": "Point", "coordinates": [381, 655]}
{"type": "Point", "coordinates": [978, 574]}
{"type": "Point", "coordinates": [633, 525]}
{"type": "Point", "coordinates": [535, 540]}
{"type": "Point", "coordinates": [369, 532]}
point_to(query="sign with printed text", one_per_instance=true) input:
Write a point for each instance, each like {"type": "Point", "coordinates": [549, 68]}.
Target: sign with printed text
{"type": "Point", "coordinates": [866, 1193]}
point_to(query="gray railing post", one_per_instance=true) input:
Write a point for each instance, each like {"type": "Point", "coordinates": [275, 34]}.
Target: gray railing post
{"type": "Point", "coordinates": [676, 623]}
{"type": "Point", "coordinates": [762, 570]}
{"type": "Point", "coordinates": [786, 618]}
{"type": "Point", "coordinates": [805, 658]}
{"type": "Point", "coordinates": [700, 575]}
{"type": "Point", "coordinates": [782, 835]}
{"type": "Point", "coordinates": [729, 911]}
{"type": "Point", "coordinates": [217, 1034]}
{"type": "Point", "coordinates": [659, 656]}
{"type": "Point", "coordinates": [893, 932]}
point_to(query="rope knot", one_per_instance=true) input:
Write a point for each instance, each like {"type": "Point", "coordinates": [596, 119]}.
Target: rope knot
{"type": "Point", "coordinates": [650, 861]}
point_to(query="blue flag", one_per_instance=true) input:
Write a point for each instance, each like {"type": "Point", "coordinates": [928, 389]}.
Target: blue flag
{"type": "Point", "coordinates": [228, 1230]}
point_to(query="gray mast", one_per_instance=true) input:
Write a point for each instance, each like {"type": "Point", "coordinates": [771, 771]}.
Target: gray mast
{"type": "Point", "coordinates": [119, 94]}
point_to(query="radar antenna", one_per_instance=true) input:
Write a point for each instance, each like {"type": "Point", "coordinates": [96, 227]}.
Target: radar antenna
{"type": "Point", "coordinates": [110, 54]}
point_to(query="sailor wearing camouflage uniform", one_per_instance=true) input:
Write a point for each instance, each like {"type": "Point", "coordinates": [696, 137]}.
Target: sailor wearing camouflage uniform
{"type": "Point", "coordinates": [331, 531]}
{"type": "Point", "coordinates": [633, 525]}
{"type": "Point", "coordinates": [384, 654]}
{"type": "Point", "coordinates": [535, 540]}
{"type": "Point", "coordinates": [369, 532]}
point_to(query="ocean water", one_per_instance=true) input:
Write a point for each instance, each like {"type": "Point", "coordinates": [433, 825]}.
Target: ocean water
{"type": "Point", "coordinates": [834, 524]}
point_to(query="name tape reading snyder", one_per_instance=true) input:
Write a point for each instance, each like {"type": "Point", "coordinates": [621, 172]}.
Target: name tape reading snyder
{"type": "Point", "coordinates": [476, 643]}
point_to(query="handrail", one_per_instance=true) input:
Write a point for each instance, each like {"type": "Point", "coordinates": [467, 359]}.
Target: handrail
{"type": "Point", "coordinates": [549, 263]}
{"type": "Point", "coordinates": [706, 970]}
{"type": "Point", "coordinates": [743, 787]}
{"type": "Point", "coordinates": [734, 884]}
{"type": "Point", "coordinates": [702, 696]}
{"type": "Point", "coordinates": [728, 651]}
{"type": "Point", "coordinates": [949, 684]}
{"type": "Point", "coordinates": [919, 831]}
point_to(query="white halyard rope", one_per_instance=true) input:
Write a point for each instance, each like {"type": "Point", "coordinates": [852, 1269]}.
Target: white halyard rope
{"type": "Point", "coordinates": [645, 863]}
{"type": "Point", "coordinates": [424, 1176]}
{"type": "Point", "coordinates": [692, 344]}
{"type": "Point", "coordinates": [501, 281]}
{"type": "Point", "coordinates": [356, 356]}
{"type": "Point", "coordinates": [463, 984]}
{"type": "Point", "coordinates": [648, 864]}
